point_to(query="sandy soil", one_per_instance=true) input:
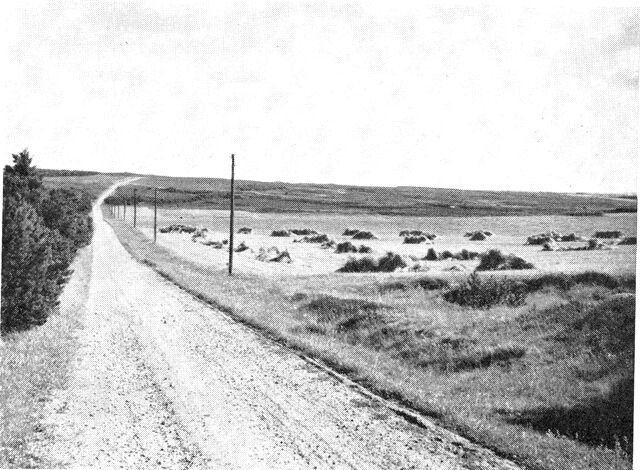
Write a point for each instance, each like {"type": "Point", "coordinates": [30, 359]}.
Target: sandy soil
{"type": "Point", "coordinates": [163, 381]}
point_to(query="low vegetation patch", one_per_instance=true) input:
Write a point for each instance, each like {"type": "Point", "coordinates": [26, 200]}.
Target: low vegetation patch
{"type": "Point", "coordinates": [550, 237]}
{"type": "Point", "coordinates": [320, 238]}
{"type": "Point", "coordinates": [418, 233]}
{"type": "Point", "coordinates": [179, 228]}
{"type": "Point", "coordinates": [386, 264]}
{"type": "Point", "coordinates": [303, 231]}
{"type": "Point", "coordinates": [628, 241]}
{"type": "Point", "coordinates": [364, 236]}
{"type": "Point", "coordinates": [415, 239]}
{"type": "Point", "coordinates": [485, 293]}
{"type": "Point", "coordinates": [245, 231]}
{"type": "Point", "coordinates": [344, 313]}
{"type": "Point", "coordinates": [478, 236]}
{"type": "Point", "coordinates": [566, 281]}
{"type": "Point", "coordinates": [494, 260]}
{"type": "Point", "coordinates": [426, 283]}
{"type": "Point", "coordinates": [281, 233]}
{"type": "Point", "coordinates": [350, 232]}
{"type": "Point", "coordinates": [346, 247]}
{"type": "Point", "coordinates": [241, 247]}
{"type": "Point", "coordinates": [608, 234]}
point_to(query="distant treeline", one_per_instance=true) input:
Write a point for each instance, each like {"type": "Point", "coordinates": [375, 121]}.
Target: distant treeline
{"type": "Point", "coordinates": [44, 172]}
{"type": "Point", "coordinates": [52, 173]}
{"type": "Point", "coordinates": [41, 232]}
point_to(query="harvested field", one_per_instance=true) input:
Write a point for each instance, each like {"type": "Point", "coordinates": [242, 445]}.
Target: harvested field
{"type": "Point", "coordinates": [309, 258]}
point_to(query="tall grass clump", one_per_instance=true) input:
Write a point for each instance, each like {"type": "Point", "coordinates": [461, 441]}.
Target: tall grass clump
{"type": "Point", "coordinates": [566, 281]}
{"type": "Point", "coordinates": [494, 260]}
{"type": "Point", "coordinates": [485, 293]}
{"type": "Point", "coordinates": [329, 309]}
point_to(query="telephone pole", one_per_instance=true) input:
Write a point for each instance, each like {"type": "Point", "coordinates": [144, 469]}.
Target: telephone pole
{"type": "Point", "coordinates": [134, 208]}
{"type": "Point", "coordinates": [231, 216]}
{"type": "Point", "coordinates": [155, 214]}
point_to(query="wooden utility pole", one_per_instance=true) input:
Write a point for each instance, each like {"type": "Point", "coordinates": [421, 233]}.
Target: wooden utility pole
{"type": "Point", "coordinates": [134, 208]}
{"type": "Point", "coordinates": [124, 209]}
{"type": "Point", "coordinates": [155, 214]}
{"type": "Point", "coordinates": [231, 216]}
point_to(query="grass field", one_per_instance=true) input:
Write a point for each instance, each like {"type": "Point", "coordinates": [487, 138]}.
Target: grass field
{"type": "Point", "coordinates": [94, 184]}
{"type": "Point", "coordinates": [546, 381]}
{"type": "Point", "coordinates": [255, 196]}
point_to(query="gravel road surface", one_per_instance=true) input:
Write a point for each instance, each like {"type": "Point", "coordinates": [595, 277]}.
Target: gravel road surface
{"type": "Point", "coordinates": [164, 381]}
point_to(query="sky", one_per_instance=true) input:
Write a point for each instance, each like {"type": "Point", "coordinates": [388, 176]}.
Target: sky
{"type": "Point", "coordinates": [364, 93]}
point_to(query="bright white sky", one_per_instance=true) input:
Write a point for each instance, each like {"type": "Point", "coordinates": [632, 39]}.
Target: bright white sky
{"type": "Point", "coordinates": [355, 93]}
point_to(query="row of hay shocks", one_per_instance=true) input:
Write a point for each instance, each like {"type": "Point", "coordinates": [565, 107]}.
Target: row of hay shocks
{"type": "Point", "coordinates": [115, 212]}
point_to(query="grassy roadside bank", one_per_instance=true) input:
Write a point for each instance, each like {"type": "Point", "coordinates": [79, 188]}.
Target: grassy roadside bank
{"type": "Point", "coordinates": [499, 376]}
{"type": "Point", "coordinates": [36, 362]}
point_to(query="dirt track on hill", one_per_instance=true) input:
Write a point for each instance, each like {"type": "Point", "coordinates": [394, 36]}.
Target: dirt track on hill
{"type": "Point", "coordinates": [164, 381]}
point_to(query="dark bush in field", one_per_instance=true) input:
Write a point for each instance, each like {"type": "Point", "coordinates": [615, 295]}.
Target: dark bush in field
{"type": "Point", "coordinates": [364, 236]}
{"type": "Point", "coordinates": [281, 233]}
{"type": "Point", "coordinates": [466, 255]}
{"type": "Point", "coordinates": [362, 265]}
{"type": "Point", "coordinates": [241, 247]}
{"type": "Point", "coordinates": [322, 238]}
{"type": "Point", "coordinates": [350, 232]}
{"type": "Point", "coordinates": [179, 228]}
{"type": "Point", "coordinates": [365, 249]}
{"type": "Point", "coordinates": [494, 260]}
{"type": "Point", "coordinates": [478, 236]}
{"type": "Point", "coordinates": [608, 234]}
{"type": "Point", "coordinates": [388, 263]}
{"type": "Point", "coordinates": [417, 233]}
{"type": "Point", "coordinates": [346, 247]}
{"type": "Point", "coordinates": [432, 255]}
{"type": "Point", "coordinates": [303, 231]}
{"type": "Point", "coordinates": [414, 240]}
{"type": "Point", "coordinates": [245, 231]}
{"type": "Point", "coordinates": [485, 293]}
{"type": "Point", "coordinates": [628, 241]}
{"type": "Point", "coordinates": [41, 232]}
{"type": "Point", "coordinates": [571, 237]}
{"type": "Point", "coordinates": [446, 254]}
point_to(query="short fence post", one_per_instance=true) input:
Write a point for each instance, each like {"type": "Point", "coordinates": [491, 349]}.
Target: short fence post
{"type": "Point", "coordinates": [155, 214]}
{"type": "Point", "coordinates": [134, 208]}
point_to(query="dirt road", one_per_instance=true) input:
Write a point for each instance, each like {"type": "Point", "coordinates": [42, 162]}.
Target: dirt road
{"type": "Point", "coordinates": [164, 381]}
